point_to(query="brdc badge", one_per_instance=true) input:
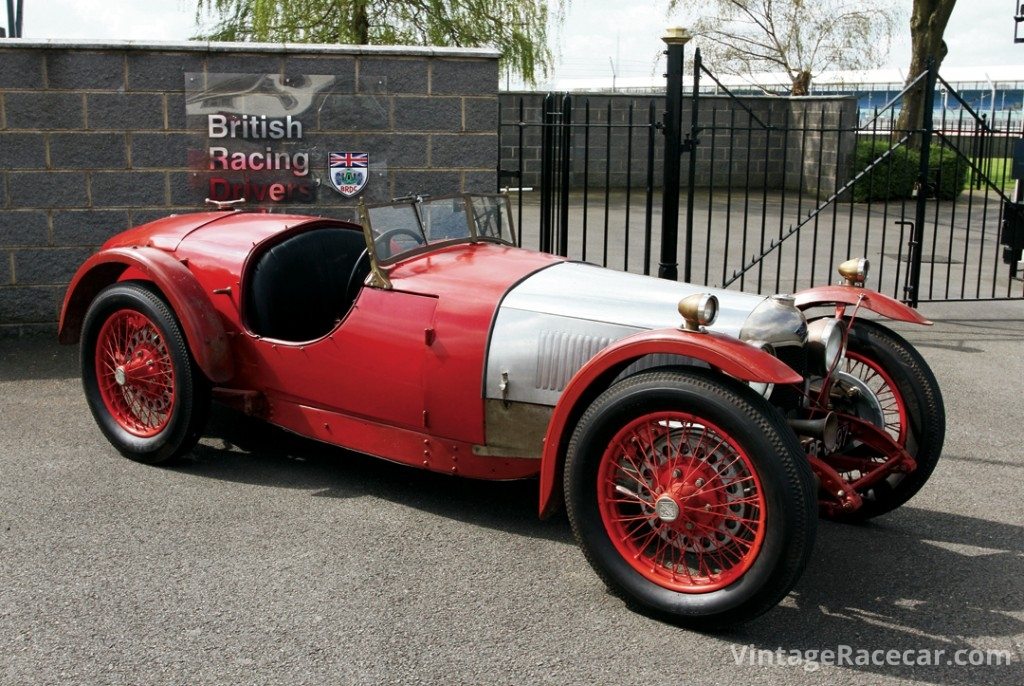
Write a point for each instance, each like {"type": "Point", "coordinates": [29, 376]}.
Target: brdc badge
{"type": "Point", "coordinates": [348, 172]}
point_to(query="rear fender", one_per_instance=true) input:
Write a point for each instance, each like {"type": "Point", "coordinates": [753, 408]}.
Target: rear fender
{"type": "Point", "coordinates": [723, 353]}
{"type": "Point", "coordinates": [868, 299]}
{"type": "Point", "coordinates": [199, 320]}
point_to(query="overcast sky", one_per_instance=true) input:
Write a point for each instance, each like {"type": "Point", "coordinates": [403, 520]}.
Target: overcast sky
{"type": "Point", "coordinates": [595, 34]}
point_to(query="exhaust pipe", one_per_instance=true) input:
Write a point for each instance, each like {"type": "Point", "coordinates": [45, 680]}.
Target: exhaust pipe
{"type": "Point", "coordinates": [826, 429]}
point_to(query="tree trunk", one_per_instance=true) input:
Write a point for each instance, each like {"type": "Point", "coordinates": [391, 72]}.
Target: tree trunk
{"type": "Point", "coordinates": [801, 83]}
{"type": "Point", "coordinates": [927, 24]}
{"type": "Point", "coordinates": [361, 22]}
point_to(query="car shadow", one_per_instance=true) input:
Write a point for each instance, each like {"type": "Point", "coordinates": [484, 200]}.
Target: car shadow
{"type": "Point", "coordinates": [246, 450]}
{"type": "Point", "coordinates": [964, 335]}
{"type": "Point", "coordinates": [912, 580]}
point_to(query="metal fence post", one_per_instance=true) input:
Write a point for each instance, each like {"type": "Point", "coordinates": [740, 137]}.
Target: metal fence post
{"type": "Point", "coordinates": [913, 288]}
{"type": "Point", "coordinates": [675, 39]}
{"type": "Point", "coordinates": [565, 174]}
{"type": "Point", "coordinates": [691, 176]}
{"type": "Point", "coordinates": [547, 172]}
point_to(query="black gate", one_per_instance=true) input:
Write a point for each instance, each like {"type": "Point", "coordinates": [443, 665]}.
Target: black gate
{"type": "Point", "coordinates": [777, 190]}
{"type": "Point", "coordinates": [572, 197]}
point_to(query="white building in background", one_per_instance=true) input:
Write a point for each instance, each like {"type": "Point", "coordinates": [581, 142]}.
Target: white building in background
{"type": "Point", "coordinates": [994, 91]}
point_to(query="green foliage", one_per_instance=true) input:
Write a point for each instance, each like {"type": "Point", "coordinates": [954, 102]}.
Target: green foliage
{"type": "Point", "coordinates": [518, 28]}
{"type": "Point", "coordinates": [999, 171]}
{"type": "Point", "coordinates": [891, 179]}
{"type": "Point", "coordinates": [895, 177]}
{"type": "Point", "coordinates": [948, 171]}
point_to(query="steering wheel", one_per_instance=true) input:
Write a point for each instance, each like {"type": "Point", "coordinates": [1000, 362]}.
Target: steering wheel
{"type": "Point", "coordinates": [362, 265]}
{"type": "Point", "coordinates": [383, 241]}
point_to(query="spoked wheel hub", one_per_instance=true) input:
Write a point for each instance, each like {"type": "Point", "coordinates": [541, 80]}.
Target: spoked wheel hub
{"type": "Point", "coordinates": [888, 410]}
{"type": "Point", "coordinates": [135, 373]}
{"type": "Point", "coordinates": [681, 502]}
{"type": "Point", "coordinates": [867, 391]}
{"type": "Point", "coordinates": [690, 497]}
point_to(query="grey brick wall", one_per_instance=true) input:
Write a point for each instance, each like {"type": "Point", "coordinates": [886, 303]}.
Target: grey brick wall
{"type": "Point", "coordinates": [94, 139]}
{"type": "Point", "coordinates": [732, 144]}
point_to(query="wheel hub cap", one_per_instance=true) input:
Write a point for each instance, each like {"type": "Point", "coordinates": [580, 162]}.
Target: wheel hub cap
{"type": "Point", "coordinates": [119, 376]}
{"type": "Point", "coordinates": [667, 509]}
{"type": "Point", "coordinates": [696, 498]}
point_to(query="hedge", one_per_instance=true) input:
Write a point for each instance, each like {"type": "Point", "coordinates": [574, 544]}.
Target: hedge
{"type": "Point", "coordinates": [891, 179]}
{"type": "Point", "coordinates": [895, 177]}
{"type": "Point", "coordinates": [951, 171]}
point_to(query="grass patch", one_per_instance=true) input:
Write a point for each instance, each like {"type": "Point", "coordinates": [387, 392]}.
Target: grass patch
{"type": "Point", "coordinates": [999, 171]}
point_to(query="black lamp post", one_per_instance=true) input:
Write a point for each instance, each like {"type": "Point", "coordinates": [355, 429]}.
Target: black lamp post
{"type": "Point", "coordinates": [675, 38]}
{"type": "Point", "coordinates": [14, 18]}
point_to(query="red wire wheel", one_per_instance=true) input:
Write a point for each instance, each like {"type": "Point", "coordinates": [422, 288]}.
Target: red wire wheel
{"type": "Point", "coordinates": [144, 389]}
{"type": "Point", "coordinates": [135, 373]}
{"type": "Point", "coordinates": [681, 502]}
{"type": "Point", "coordinates": [894, 407]}
{"type": "Point", "coordinates": [690, 496]}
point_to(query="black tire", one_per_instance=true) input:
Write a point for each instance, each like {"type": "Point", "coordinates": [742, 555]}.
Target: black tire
{"type": "Point", "coordinates": [924, 407]}
{"type": "Point", "coordinates": [175, 429]}
{"type": "Point", "coordinates": [786, 483]}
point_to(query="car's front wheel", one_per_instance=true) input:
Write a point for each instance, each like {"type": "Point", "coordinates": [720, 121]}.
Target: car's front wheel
{"type": "Point", "coordinates": [690, 497]}
{"type": "Point", "coordinates": [147, 395]}
{"type": "Point", "coordinates": [909, 408]}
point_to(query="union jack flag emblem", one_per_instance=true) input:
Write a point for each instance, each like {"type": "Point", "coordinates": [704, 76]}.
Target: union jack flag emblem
{"type": "Point", "coordinates": [348, 172]}
{"type": "Point", "coordinates": [349, 159]}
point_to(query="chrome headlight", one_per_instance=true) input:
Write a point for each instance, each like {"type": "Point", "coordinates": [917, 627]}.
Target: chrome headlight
{"type": "Point", "coordinates": [824, 344]}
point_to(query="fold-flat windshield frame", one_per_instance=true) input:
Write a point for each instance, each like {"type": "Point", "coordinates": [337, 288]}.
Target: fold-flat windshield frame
{"type": "Point", "coordinates": [472, 220]}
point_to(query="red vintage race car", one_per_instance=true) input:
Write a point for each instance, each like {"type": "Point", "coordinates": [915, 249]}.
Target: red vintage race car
{"type": "Point", "coordinates": [693, 435]}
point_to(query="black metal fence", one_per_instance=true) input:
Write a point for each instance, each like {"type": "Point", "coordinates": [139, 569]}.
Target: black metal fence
{"type": "Point", "coordinates": [778, 190]}
{"type": "Point", "coordinates": [575, 197]}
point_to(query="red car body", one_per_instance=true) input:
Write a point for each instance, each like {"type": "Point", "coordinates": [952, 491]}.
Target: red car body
{"type": "Point", "coordinates": [402, 374]}
{"type": "Point", "coordinates": [395, 401]}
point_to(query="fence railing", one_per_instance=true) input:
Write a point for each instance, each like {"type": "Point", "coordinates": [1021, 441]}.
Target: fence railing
{"type": "Point", "coordinates": [777, 190]}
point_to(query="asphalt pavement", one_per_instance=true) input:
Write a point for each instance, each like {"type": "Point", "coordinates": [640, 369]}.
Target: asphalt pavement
{"type": "Point", "coordinates": [266, 558]}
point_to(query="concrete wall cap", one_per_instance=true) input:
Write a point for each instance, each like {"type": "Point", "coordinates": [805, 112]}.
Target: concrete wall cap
{"type": "Point", "coordinates": [687, 96]}
{"type": "Point", "coordinates": [224, 47]}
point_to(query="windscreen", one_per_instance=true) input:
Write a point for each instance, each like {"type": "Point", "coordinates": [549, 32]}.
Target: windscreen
{"type": "Point", "coordinates": [492, 216]}
{"type": "Point", "coordinates": [400, 229]}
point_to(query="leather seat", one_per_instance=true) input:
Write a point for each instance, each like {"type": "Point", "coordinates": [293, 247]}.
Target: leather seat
{"type": "Point", "coordinates": [298, 288]}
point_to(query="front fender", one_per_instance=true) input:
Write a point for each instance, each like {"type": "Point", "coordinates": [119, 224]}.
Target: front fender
{"type": "Point", "coordinates": [869, 300]}
{"type": "Point", "coordinates": [723, 353]}
{"type": "Point", "coordinates": [199, 320]}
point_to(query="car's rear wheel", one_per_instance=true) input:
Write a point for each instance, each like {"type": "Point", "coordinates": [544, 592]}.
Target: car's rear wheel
{"type": "Point", "coordinates": [690, 497]}
{"type": "Point", "coordinates": [146, 393]}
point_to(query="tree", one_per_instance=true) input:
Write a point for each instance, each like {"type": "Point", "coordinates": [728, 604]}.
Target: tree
{"type": "Point", "coordinates": [518, 28]}
{"type": "Point", "coordinates": [799, 37]}
{"type": "Point", "coordinates": [928, 21]}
